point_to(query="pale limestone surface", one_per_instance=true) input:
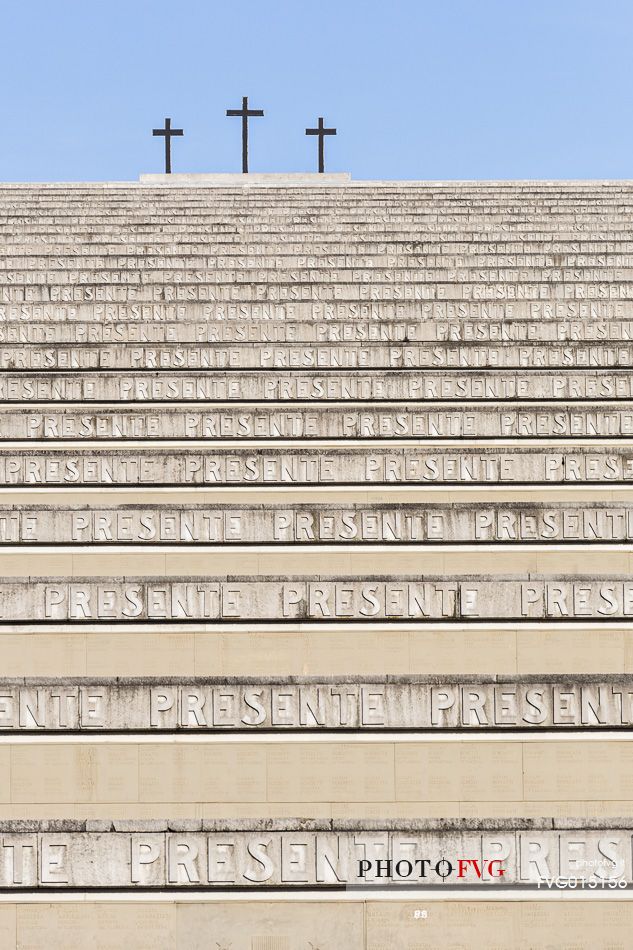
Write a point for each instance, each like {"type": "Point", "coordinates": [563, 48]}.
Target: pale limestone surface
{"type": "Point", "coordinates": [286, 925]}
{"type": "Point", "coordinates": [337, 776]}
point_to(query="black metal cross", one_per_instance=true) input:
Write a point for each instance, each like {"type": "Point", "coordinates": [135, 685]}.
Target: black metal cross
{"type": "Point", "coordinates": [246, 114]}
{"type": "Point", "coordinates": [168, 132]}
{"type": "Point", "coordinates": [321, 131]}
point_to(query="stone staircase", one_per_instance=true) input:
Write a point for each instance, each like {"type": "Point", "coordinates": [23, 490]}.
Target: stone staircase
{"type": "Point", "coordinates": [315, 544]}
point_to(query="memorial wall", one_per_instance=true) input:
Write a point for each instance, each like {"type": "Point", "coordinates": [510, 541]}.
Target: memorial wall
{"type": "Point", "coordinates": [316, 576]}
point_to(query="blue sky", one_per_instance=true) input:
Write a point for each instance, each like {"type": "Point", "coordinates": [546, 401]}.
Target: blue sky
{"type": "Point", "coordinates": [423, 90]}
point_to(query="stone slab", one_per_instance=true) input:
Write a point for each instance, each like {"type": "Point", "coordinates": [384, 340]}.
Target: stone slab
{"type": "Point", "coordinates": [589, 522]}
{"type": "Point", "coordinates": [407, 599]}
{"type": "Point", "coordinates": [331, 263]}
{"type": "Point", "coordinates": [313, 854]}
{"type": "Point", "coordinates": [351, 386]}
{"type": "Point", "coordinates": [341, 356]}
{"type": "Point", "coordinates": [392, 421]}
{"type": "Point", "coordinates": [306, 322]}
{"type": "Point", "coordinates": [321, 704]}
{"type": "Point", "coordinates": [402, 464]}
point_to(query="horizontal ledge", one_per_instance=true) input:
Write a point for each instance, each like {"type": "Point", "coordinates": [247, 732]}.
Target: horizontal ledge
{"type": "Point", "coordinates": [292, 823]}
{"type": "Point", "coordinates": [247, 180]}
{"type": "Point", "coordinates": [346, 708]}
{"type": "Point", "coordinates": [336, 855]}
{"type": "Point", "coordinates": [484, 443]}
{"type": "Point", "coordinates": [522, 490]}
{"type": "Point", "coordinates": [298, 627]}
{"type": "Point", "coordinates": [293, 738]}
{"type": "Point", "coordinates": [599, 185]}
{"type": "Point", "coordinates": [323, 547]}
{"type": "Point", "coordinates": [359, 679]}
{"type": "Point", "coordinates": [443, 894]}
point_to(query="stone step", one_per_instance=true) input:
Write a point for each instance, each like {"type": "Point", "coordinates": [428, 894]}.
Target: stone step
{"type": "Point", "coordinates": [452, 291]}
{"type": "Point", "coordinates": [353, 386]}
{"type": "Point", "coordinates": [348, 323]}
{"type": "Point", "coordinates": [240, 253]}
{"type": "Point", "coordinates": [434, 283]}
{"type": "Point", "coordinates": [312, 523]}
{"type": "Point", "coordinates": [180, 357]}
{"type": "Point", "coordinates": [335, 854]}
{"type": "Point", "coordinates": [518, 236]}
{"type": "Point", "coordinates": [430, 238]}
{"type": "Point", "coordinates": [312, 203]}
{"type": "Point", "coordinates": [366, 324]}
{"type": "Point", "coordinates": [313, 211]}
{"type": "Point", "coordinates": [311, 704]}
{"type": "Point", "coordinates": [460, 463]}
{"type": "Point", "coordinates": [478, 298]}
{"type": "Point", "coordinates": [341, 563]}
{"type": "Point", "coordinates": [422, 599]}
{"type": "Point", "coordinates": [396, 422]}
{"type": "Point", "coordinates": [421, 268]}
